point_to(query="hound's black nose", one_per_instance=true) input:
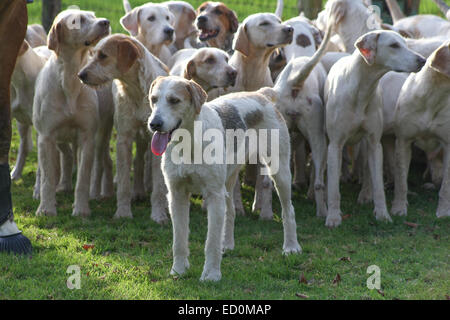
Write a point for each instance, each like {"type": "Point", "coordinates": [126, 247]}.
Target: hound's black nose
{"type": "Point", "coordinates": [83, 75]}
{"type": "Point", "coordinates": [202, 19]}
{"type": "Point", "coordinates": [156, 124]}
{"type": "Point", "coordinates": [232, 74]}
{"type": "Point", "coordinates": [104, 22]}
{"type": "Point", "coordinates": [288, 30]}
{"type": "Point", "coordinates": [421, 62]}
{"type": "Point", "coordinates": [169, 31]}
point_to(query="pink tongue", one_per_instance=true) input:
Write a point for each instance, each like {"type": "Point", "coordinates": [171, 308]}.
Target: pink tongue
{"type": "Point", "coordinates": [159, 143]}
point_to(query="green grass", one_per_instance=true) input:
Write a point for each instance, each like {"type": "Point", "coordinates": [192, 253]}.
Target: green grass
{"type": "Point", "coordinates": [131, 259]}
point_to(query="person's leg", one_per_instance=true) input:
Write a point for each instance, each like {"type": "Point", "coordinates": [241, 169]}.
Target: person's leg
{"type": "Point", "coordinates": [13, 16]}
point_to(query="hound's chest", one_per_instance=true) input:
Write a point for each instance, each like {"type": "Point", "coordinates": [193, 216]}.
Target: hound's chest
{"type": "Point", "coordinates": [198, 178]}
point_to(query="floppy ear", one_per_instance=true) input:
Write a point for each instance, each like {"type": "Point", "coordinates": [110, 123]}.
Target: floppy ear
{"type": "Point", "coordinates": [127, 53]}
{"type": "Point", "coordinates": [241, 42]}
{"type": "Point", "coordinates": [198, 95]}
{"type": "Point", "coordinates": [440, 60]}
{"type": "Point", "coordinates": [130, 21]}
{"type": "Point", "coordinates": [367, 46]}
{"type": "Point", "coordinates": [232, 18]}
{"type": "Point", "coordinates": [55, 36]}
{"type": "Point", "coordinates": [338, 11]}
{"type": "Point", "coordinates": [189, 72]}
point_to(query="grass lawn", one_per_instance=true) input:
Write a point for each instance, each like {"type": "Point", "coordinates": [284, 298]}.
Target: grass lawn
{"type": "Point", "coordinates": [131, 259]}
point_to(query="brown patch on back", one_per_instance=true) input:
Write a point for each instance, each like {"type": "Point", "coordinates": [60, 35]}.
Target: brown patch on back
{"type": "Point", "coordinates": [303, 40]}
{"type": "Point", "coordinates": [253, 118]}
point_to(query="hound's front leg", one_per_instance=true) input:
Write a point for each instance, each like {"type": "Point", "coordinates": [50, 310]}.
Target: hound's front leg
{"type": "Point", "coordinates": [403, 159]}
{"type": "Point", "coordinates": [179, 212]}
{"type": "Point", "coordinates": [375, 159]}
{"type": "Point", "coordinates": [444, 194]}
{"type": "Point", "coordinates": [216, 207]}
{"type": "Point", "coordinates": [159, 192]}
{"type": "Point", "coordinates": [26, 145]}
{"type": "Point", "coordinates": [334, 157]}
{"type": "Point", "coordinates": [48, 157]}
{"type": "Point", "coordinates": [87, 144]}
{"type": "Point", "coordinates": [124, 144]}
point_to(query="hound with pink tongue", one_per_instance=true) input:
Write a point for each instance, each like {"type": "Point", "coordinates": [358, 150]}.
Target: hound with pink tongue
{"type": "Point", "coordinates": [159, 142]}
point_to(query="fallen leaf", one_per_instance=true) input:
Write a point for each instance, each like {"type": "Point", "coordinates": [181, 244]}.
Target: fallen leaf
{"type": "Point", "coordinates": [346, 216]}
{"type": "Point", "coordinates": [337, 279]}
{"type": "Point", "coordinates": [380, 292]}
{"type": "Point", "coordinates": [447, 297]}
{"type": "Point", "coordinates": [410, 224]}
{"type": "Point", "coordinates": [345, 259]}
{"type": "Point", "coordinates": [261, 259]}
{"type": "Point", "coordinates": [303, 279]}
{"type": "Point", "coordinates": [301, 295]}
{"type": "Point", "coordinates": [102, 277]}
{"type": "Point", "coordinates": [88, 246]}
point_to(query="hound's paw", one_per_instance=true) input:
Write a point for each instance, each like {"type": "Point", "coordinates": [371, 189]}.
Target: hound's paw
{"type": "Point", "coordinates": [15, 174]}
{"type": "Point", "coordinates": [180, 267]}
{"type": "Point", "coordinates": [159, 216]}
{"type": "Point", "coordinates": [64, 188]}
{"type": "Point", "coordinates": [321, 211]}
{"type": "Point", "coordinates": [293, 248]}
{"type": "Point", "coordinates": [228, 245]}
{"type": "Point", "coordinates": [443, 212]}
{"type": "Point", "coordinates": [211, 275]}
{"type": "Point", "coordinates": [382, 215]}
{"type": "Point", "coordinates": [44, 210]}
{"type": "Point", "coordinates": [399, 209]}
{"type": "Point", "coordinates": [94, 196]}
{"type": "Point", "coordinates": [365, 196]}
{"type": "Point", "coordinates": [333, 220]}
{"type": "Point", "coordinates": [266, 214]}
{"type": "Point", "coordinates": [429, 186]}
{"type": "Point", "coordinates": [36, 194]}
{"type": "Point", "coordinates": [123, 212]}
{"type": "Point", "coordinates": [81, 211]}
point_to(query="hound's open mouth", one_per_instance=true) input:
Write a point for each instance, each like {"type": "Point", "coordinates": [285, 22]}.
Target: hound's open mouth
{"type": "Point", "coordinates": [206, 34]}
{"type": "Point", "coordinates": [160, 140]}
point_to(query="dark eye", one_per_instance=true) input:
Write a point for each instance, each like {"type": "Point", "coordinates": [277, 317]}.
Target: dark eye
{"type": "Point", "coordinates": [173, 100]}
{"type": "Point", "coordinates": [81, 20]}
{"type": "Point", "coordinates": [395, 45]}
{"type": "Point", "coordinates": [202, 9]}
{"type": "Point", "coordinates": [101, 55]}
{"type": "Point", "coordinates": [265, 23]}
{"type": "Point", "coordinates": [210, 60]}
{"type": "Point", "coordinates": [167, 18]}
{"type": "Point", "coordinates": [151, 18]}
{"type": "Point", "coordinates": [218, 12]}
{"type": "Point", "coordinates": [154, 99]}
{"type": "Point", "coordinates": [226, 59]}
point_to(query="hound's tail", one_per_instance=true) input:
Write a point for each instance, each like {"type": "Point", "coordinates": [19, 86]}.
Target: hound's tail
{"type": "Point", "coordinates": [305, 71]}
{"type": "Point", "coordinates": [279, 9]}
{"type": "Point", "coordinates": [126, 6]}
{"type": "Point", "coordinates": [394, 9]}
{"type": "Point", "coordinates": [445, 8]}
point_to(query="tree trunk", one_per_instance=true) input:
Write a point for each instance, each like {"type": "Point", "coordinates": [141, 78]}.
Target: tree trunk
{"type": "Point", "coordinates": [50, 8]}
{"type": "Point", "coordinates": [310, 7]}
